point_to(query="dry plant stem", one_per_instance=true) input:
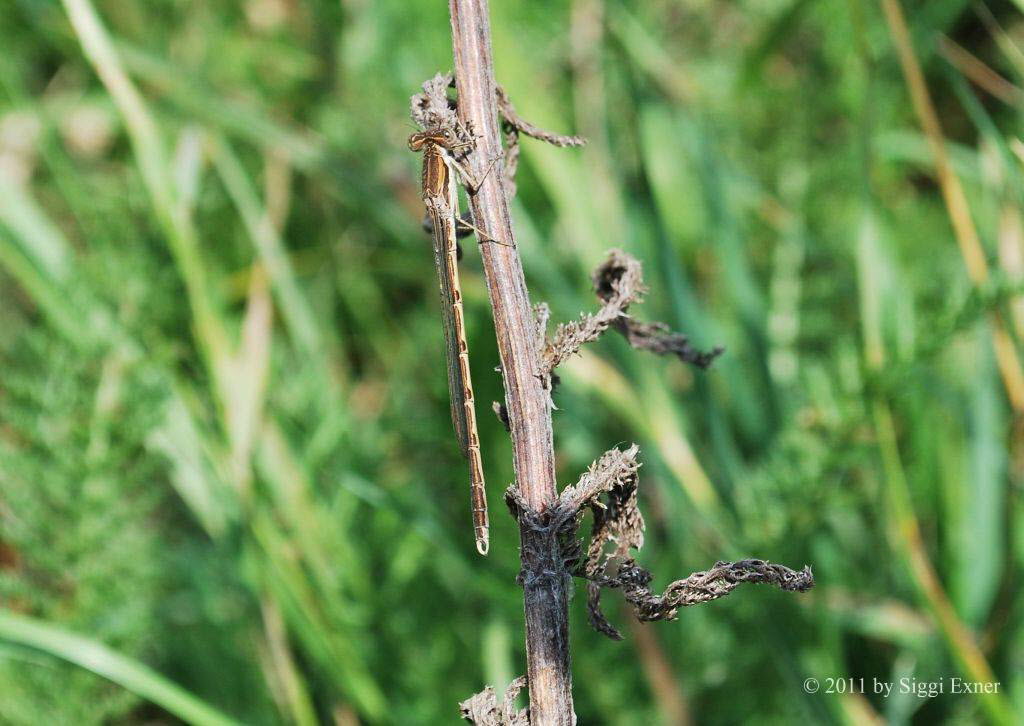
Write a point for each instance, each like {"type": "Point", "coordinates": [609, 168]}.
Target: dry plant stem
{"type": "Point", "coordinates": [545, 599]}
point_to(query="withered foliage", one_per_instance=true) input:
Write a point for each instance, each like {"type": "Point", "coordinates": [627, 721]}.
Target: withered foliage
{"type": "Point", "coordinates": [434, 108]}
{"type": "Point", "coordinates": [700, 587]}
{"type": "Point", "coordinates": [512, 125]}
{"type": "Point", "coordinates": [608, 489]}
{"type": "Point", "coordinates": [618, 283]}
{"type": "Point", "coordinates": [619, 292]}
{"type": "Point", "coordinates": [482, 708]}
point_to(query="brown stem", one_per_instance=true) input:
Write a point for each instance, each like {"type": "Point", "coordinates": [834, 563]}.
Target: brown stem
{"type": "Point", "coordinates": [545, 596]}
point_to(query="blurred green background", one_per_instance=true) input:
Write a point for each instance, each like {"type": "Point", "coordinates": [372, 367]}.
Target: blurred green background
{"type": "Point", "coordinates": [228, 480]}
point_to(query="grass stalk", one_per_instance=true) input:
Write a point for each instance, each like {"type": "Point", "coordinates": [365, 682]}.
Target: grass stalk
{"type": "Point", "coordinates": [956, 201]}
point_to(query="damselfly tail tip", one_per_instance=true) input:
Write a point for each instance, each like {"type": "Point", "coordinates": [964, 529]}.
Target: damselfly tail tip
{"type": "Point", "coordinates": [483, 545]}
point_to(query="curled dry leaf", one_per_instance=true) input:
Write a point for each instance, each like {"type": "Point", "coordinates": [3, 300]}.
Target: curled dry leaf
{"type": "Point", "coordinates": [655, 337]}
{"type": "Point", "coordinates": [618, 283]}
{"type": "Point", "coordinates": [512, 125]}
{"type": "Point", "coordinates": [513, 120]}
{"type": "Point", "coordinates": [700, 587]}
{"type": "Point", "coordinates": [431, 108]}
{"type": "Point", "coordinates": [482, 708]}
{"type": "Point", "coordinates": [609, 489]}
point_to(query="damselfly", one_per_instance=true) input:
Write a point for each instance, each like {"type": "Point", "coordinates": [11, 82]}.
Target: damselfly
{"type": "Point", "coordinates": [440, 195]}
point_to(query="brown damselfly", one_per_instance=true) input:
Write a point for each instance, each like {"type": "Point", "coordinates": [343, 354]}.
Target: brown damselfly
{"type": "Point", "coordinates": [440, 195]}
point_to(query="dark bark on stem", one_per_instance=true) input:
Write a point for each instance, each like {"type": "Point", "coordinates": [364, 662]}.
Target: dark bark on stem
{"type": "Point", "coordinates": [545, 598]}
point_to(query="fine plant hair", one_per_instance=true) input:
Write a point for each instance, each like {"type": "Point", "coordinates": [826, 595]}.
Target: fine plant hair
{"type": "Point", "coordinates": [551, 555]}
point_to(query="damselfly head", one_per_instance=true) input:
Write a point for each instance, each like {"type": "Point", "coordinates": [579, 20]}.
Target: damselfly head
{"type": "Point", "coordinates": [418, 140]}
{"type": "Point", "coordinates": [440, 135]}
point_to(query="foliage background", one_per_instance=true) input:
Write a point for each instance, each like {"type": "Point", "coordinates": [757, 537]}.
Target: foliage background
{"type": "Point", "coordinates": [224, 433]}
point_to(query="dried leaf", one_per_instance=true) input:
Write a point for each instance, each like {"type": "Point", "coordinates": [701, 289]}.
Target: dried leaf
{"type": "Point", "coordinates": [627, 287]}
{"type": "Point", "coordinates": [700, 587]}
{"type": "Point", "coordinates": [609, 488]}
{"type": "Point", "coordinates": [614, 468]}
{"type": "Point", "coordinates": [618, 283]}
{"type": "Point", "coordinates": [482, 708]}
{"type": "Point", "coordinates": [431, 108]}
{"type": "Point", "coordinates": [512, 126]}
{"type": "Point", "coordinates": [656, 338]}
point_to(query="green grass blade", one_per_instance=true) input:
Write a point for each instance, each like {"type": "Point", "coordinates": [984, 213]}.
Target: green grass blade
{"type": "Point", "coordinates": [101, 660]}
{"type": "Point", "coordinates": [148, 148]}
{"type": "Point", "coordinates": [42, 241]}
{"type": "Point", "coordinates": [295, 308]}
